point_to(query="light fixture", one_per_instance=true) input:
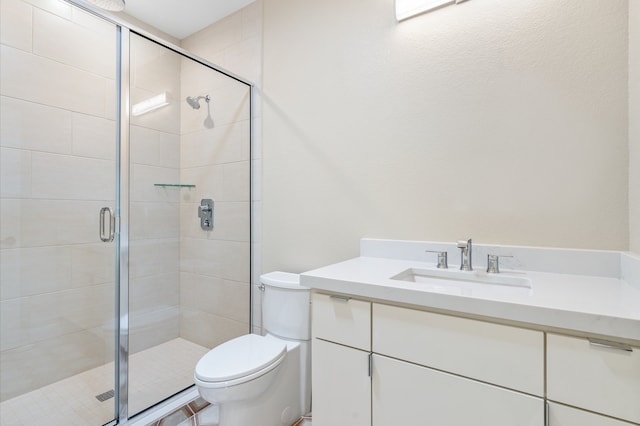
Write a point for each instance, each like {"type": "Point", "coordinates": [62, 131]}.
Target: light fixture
{"type": "Point", "coordinates": [407, 8]}
{"type": "Point", "coordinates": [150, 104]}
{"type": "Point", "coordinates": [112, 5]}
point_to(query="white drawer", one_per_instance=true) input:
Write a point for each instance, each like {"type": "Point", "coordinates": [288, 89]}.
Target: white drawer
{"type": "Point", "coordinates": [342, 320]}
{"type": "Point", "coordinates": [498, 354]}
{"type": "Point", "coordinates": [560, 415]}
{"type": "Point", "coordinates": [596, 378]}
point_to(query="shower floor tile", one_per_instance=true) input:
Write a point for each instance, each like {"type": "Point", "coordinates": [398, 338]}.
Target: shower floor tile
{"type": "Point", "coordinates": [154, 374]}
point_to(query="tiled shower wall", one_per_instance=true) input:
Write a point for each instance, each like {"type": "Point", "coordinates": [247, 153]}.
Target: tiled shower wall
{"type": "Point", "coordinates": [58, 169]}
{"type": "Point", "coordinates": [214, 264]}
{"type": "Point", "coordinates": [235, 43]}
{"type": "Point", "coordinates": [154, 231]}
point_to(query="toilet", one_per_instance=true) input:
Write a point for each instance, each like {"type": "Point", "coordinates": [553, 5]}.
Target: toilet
{"type": "Point", "coordinates": [264, 380]}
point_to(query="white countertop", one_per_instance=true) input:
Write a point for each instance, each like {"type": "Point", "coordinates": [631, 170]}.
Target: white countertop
{"type": "Point", "coordinates": [602, 306]}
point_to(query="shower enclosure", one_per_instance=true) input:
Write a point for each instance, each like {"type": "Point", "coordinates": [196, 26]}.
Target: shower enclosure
{"type": "Point", "coordinates": [110, 289]}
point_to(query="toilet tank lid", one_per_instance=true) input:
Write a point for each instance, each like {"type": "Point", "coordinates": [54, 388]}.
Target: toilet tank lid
{"type": "Point", "coordinates": [282, 280]}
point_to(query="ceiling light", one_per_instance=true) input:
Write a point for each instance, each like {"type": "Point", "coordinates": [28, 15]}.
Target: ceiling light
{"type": "Point", "coordinates": [150, 104]}
{"type": "Point", "coordinates": [407, 8]}
{"type": "Point", "coordinates": [112, 5]}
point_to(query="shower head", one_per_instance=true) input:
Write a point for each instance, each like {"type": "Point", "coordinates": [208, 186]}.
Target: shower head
{"type": "Point", "coordinates": [194, 102]}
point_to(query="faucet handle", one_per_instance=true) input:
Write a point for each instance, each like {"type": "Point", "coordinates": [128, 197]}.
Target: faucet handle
{"type": "Point", "coordinates": [442, 258]}
{"type": "Point", "coordinates": [463, 244]}
{"type": "Point", "coordinates": [493, 263]}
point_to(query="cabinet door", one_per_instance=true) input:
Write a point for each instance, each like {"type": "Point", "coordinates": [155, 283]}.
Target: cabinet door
{"type": "Point", "coordinates": [560, 415]}
{"type": "Point", "coordinates": [341, 385]}
{"type": "Point", "coordinates": [408, 394]}
{"type": "Point", "coordinates": [594, 377]}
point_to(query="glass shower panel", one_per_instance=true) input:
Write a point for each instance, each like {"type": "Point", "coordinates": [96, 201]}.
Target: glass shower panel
{"type": "Point", "coordinates": [58, 146]}
{"type": "Point", "coordinates": [188, 287]}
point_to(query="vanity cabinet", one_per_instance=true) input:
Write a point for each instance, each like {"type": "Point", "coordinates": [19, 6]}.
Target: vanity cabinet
{"type": "Point", "coordinates": [382, 365]}
{"type": "Point", "coordinates": [594, 375]}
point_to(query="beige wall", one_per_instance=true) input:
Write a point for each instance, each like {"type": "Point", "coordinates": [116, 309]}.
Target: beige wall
{"type": "Point", "coordinates": [501, 121]}
{"type": "Point", "coordinates": [634, 126]}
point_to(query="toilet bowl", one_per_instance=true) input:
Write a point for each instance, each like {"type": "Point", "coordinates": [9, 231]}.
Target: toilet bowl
{"type": "Point", "coordinates": [264, 380]}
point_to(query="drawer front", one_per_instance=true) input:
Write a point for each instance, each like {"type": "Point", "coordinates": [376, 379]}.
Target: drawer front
{"type": "Point", "coordinates": [560, 415]}
{"type": "Point", "coordinates": [596, 378]}
{"type": "Point", "coordinates": [342, 320]}
{"type": "Point", "coordinates": [502, 355]}
{"type": "Point", "coordinates": [408, 394]}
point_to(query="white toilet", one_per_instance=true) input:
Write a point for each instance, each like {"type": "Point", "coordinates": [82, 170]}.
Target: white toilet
{"type": "Point", "coordinates": [264, 380]}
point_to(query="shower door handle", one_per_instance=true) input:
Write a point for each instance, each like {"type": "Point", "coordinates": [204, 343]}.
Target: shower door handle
{"type": "Point", "coordinates": [106, 216]}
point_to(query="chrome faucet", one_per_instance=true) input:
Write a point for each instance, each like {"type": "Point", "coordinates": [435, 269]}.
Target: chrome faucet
{"type": "Point", "coordinates": [465, 255]}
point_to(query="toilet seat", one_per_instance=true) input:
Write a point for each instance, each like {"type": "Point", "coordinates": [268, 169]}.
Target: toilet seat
{"type": "Point", "coordinates": [240, 360]}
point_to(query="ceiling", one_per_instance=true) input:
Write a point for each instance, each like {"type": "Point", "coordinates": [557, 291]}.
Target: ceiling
{"type": "Point", "coordinates": [181, 18]}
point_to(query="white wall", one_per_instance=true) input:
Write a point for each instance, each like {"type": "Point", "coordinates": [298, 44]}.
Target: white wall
{"type": "Point", "coordinates": [501, 121]}
{"type": "Point", "coordinates": [634, 126]}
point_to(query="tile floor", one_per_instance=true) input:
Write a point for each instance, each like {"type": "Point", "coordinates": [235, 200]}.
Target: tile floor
{"type": "Point", "coordinates": [201, 413]}
{"type": "Point", "coordinates": [154, 374]}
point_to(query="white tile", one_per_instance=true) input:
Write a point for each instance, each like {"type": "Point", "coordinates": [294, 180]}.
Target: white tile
{"type": "Point", "coordinates": [236, 264]}
{"type": "Point", "coordinates": [154, 290]}
{"type": "Point", "coordinates": [143, 179]}
{"type": "Point", "coordinates": [216, 296]}
{"type": "Point", "coordinates": [15, 173]}
{"type": "Point", "coordinates": [154, 220]}
{"type": "Point", "coordinates": [151, 257]}
{"type": "Point", "coordinates": [14, 324]}
{"type": "Point", "coordinates": [42, 80]}
{"type": "Point", "coordinates": [245, 58]}
{"type": "Point", "coordinates": [94, 137]}
{"type": "Point", "coordinates": [53, 222]}
{"type": "Point", "coordinates": [92, 264]}
{"type": "Point", "coordinates": [15, 24]}
{"type": "Point", "coordinates": [36, 270]}
{"type": "Point", "coordinates": [236, 181]}
{"type": "Point", "coordinates": [32, 126]}
{"type": "Point", "coordinates": [252, 20]}
{"type": "Point", "coordinates": [90, 50]}
{"type": "Point", "coordinates": [256, 180]}
{"type": "Point", "coordinates": [74, 178]}
{"type": "Point", "coordinates": [58, 8]}
{"type": "Point", "coordinates": [10, 223]}
{"type": "Point", "coordinates": [144, 146]}
{"type": "Point", "coordinates": [202, 257]}
{"type": "Point", "coordinates": [169, 145]}
{"type": "Point", "coordinates": [208, 182]}
{"type": "Point", "coordinates": [232, 221]}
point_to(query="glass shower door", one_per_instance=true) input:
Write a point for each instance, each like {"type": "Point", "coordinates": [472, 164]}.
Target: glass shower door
{"type": "Point", "coordinates": [188, 286]}
{"type": "Point", "coordinates": [58, 146]}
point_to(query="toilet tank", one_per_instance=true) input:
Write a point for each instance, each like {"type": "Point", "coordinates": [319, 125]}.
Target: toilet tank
{"type": "Point", "coordinates": [286, 306]}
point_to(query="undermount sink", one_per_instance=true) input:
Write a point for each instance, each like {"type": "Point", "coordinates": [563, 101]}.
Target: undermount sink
{"type": "Point", "coordinates": [422, 275]}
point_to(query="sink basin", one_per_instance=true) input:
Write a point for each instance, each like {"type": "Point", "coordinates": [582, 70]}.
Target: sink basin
{"type": "Point", "coordinates": [418, 275]}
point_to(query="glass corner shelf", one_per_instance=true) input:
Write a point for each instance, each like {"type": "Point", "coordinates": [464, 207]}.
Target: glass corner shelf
{"type": "Point", "coordinates": [174, 185]}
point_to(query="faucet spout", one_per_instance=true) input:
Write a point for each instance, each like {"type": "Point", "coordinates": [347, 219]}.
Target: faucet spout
{"type": "Point", "coordinates": [465, 255]}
